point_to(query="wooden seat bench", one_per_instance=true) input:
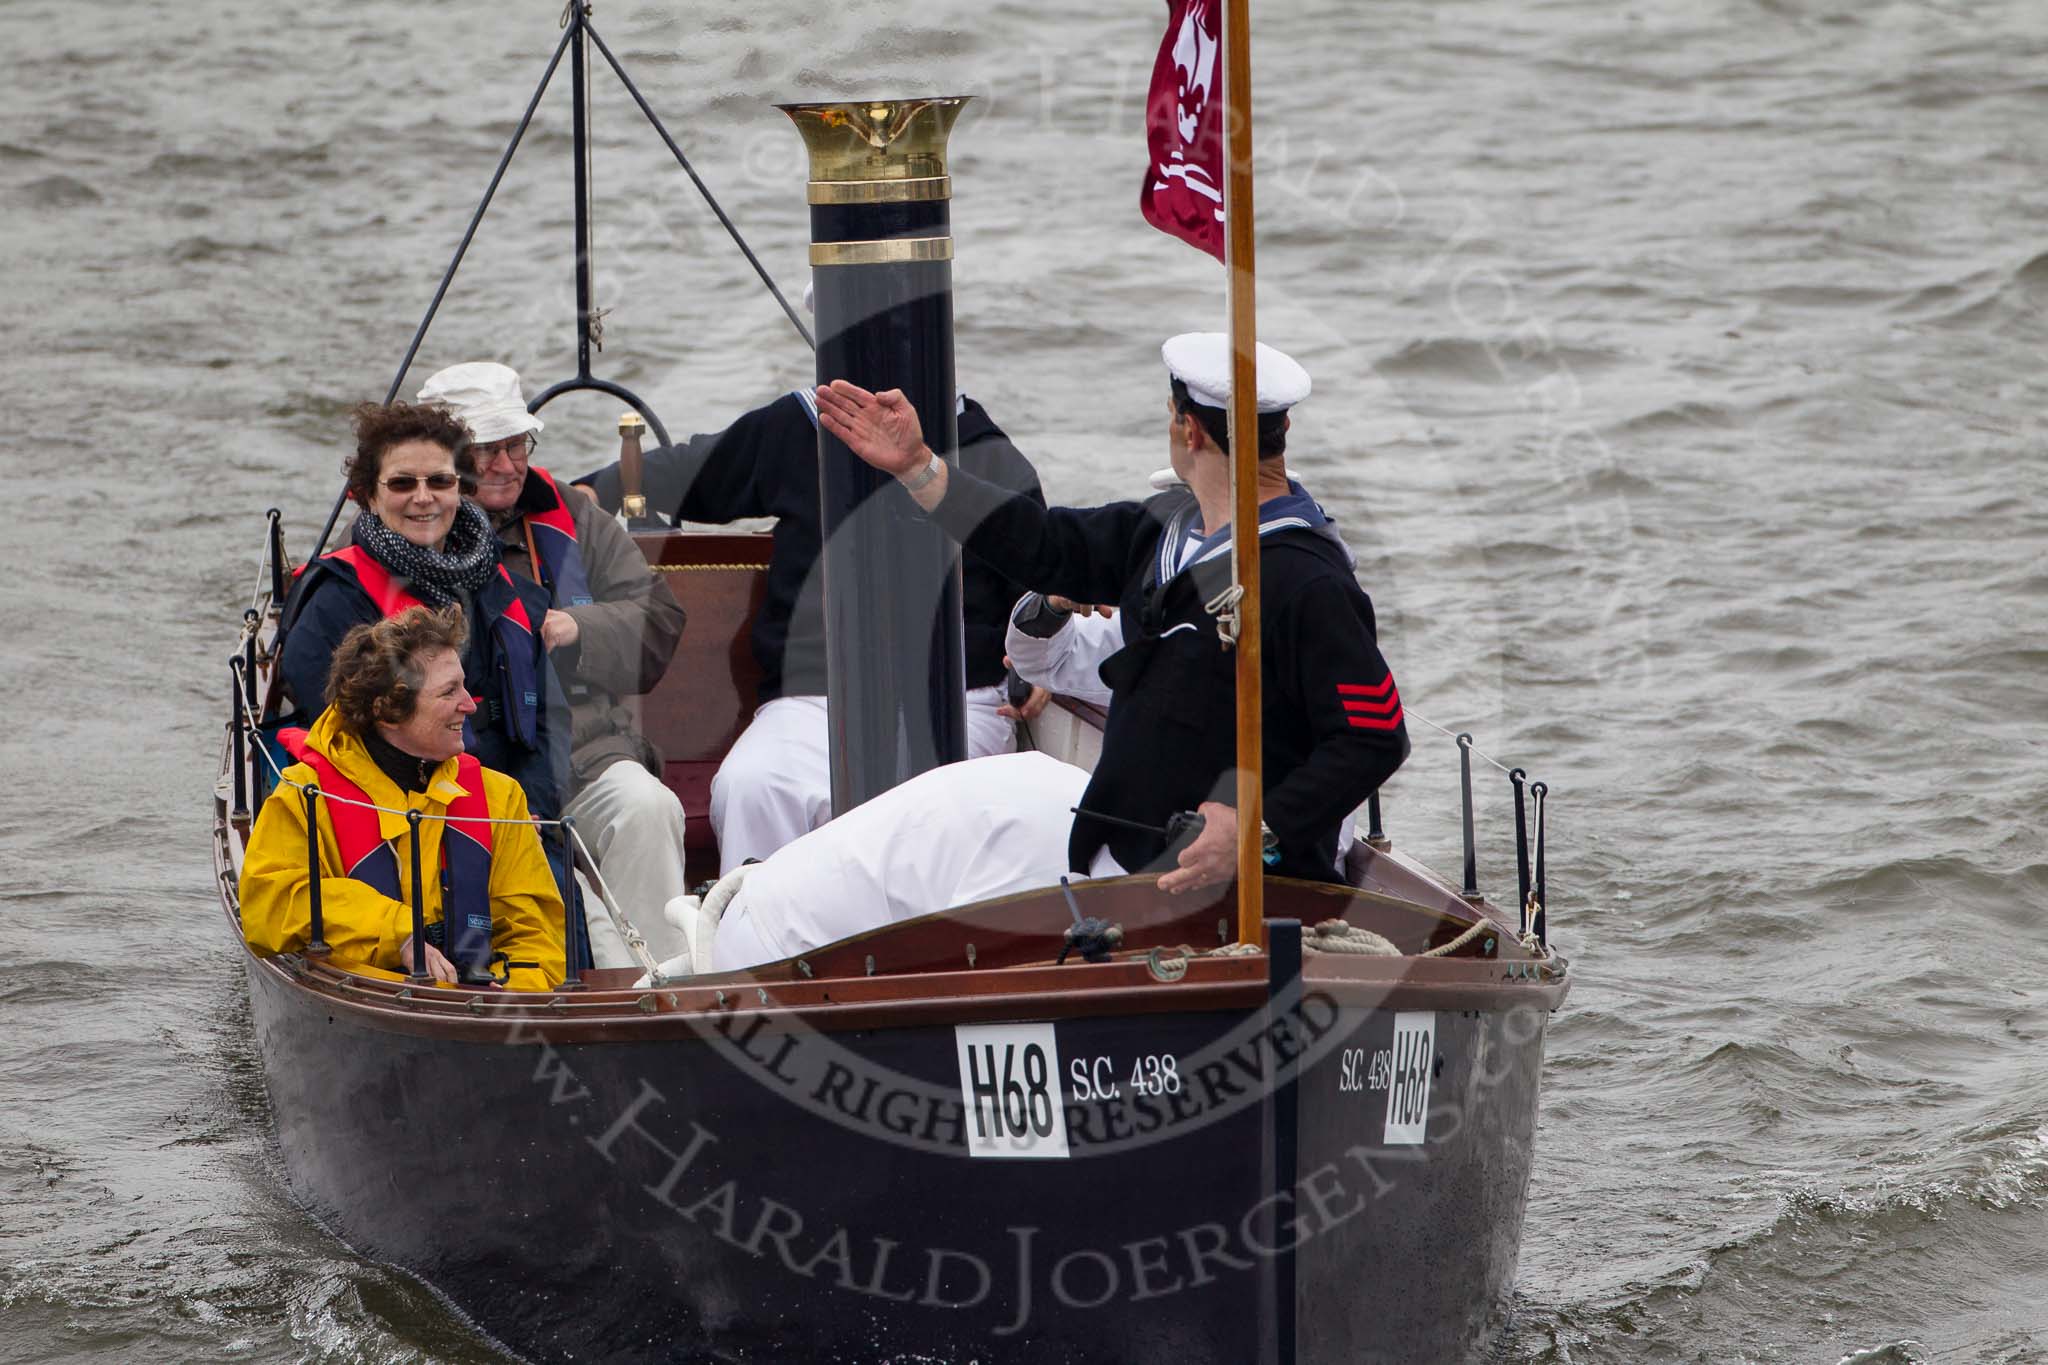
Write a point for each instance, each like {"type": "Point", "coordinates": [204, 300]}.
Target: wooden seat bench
{"type": "Point", "coordinates": [712, 685]}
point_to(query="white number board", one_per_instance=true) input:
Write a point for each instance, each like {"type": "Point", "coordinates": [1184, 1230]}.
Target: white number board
{"type": "Point", "coordinates": [1408, 1093]}
{"type": "Point", "coordinates": [1010, 1086]}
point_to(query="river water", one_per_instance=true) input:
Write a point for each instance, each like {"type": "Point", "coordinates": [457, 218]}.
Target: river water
{"type": "Point", "coordinates": [1677, 377]}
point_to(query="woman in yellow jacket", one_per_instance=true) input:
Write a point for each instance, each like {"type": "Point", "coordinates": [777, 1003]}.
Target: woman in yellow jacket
{"type": "Point", "coordinates": [392, 737]}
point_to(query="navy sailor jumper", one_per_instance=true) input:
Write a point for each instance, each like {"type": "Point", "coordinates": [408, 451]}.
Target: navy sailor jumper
{"type": "Point", "coordinates": [1333, 721]}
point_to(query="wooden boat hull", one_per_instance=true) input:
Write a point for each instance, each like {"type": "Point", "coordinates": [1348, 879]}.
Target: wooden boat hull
{"type": "Point", "coordinates": [755, 1186]}
{"type": "Point", "coordinates": [777, 1165]}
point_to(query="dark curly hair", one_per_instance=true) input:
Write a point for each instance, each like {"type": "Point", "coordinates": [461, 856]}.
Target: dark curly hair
{"type": "Point", "coordinates": [380, 426]}
{"type": "Point", "coordinates": [376, 673]}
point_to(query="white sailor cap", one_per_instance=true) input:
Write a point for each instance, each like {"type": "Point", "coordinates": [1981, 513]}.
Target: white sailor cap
{"type": "Point", "coordinates": [1201, 360]}
{"type": "Point", "coordinates": [485, 397]}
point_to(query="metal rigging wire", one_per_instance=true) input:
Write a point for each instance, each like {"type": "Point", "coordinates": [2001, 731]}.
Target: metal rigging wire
{"type": "Point", "coordinates": [576, 22]}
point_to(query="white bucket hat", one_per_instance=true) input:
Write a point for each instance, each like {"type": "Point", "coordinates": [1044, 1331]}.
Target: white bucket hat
{"type": "Point", "coordinates": [485, 397]}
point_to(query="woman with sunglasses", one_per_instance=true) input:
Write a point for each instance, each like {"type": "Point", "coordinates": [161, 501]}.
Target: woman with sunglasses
{"type": "Point", "coordinates": [418, 540]}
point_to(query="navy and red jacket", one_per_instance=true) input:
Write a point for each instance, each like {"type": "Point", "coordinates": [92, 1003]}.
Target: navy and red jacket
{"type": "Point", "coordinates": [1333, 721]}
{"type": "Point", "coordinates": [560, 569]}
{"type": "Point", "coordinates": [504, 665]}
{"type": "Point", "coordinates": [465, 923]}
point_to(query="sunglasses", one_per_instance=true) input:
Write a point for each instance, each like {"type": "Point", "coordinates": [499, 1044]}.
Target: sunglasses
{"type": "Point", "coordinates": [440, 483]}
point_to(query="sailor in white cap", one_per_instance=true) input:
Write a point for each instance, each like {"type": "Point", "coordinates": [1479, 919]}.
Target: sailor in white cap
{"type": "Point", "coordinates": [610, 631]}
{"type": "Point", "coordinates": [1333, 720]}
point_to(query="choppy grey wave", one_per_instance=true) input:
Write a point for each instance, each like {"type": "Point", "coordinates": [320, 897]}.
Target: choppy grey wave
{"type": "Point", "coordinates": [1677, 379]}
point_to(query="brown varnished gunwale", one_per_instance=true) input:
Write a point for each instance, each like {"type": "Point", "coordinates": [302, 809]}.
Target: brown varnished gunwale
{"type": "Point", "coordinates": [1013, 977]}
{"type": "Point", "coordinates": [1017, 928]}
{"type": "Point", "coordinates": [1125, 987]}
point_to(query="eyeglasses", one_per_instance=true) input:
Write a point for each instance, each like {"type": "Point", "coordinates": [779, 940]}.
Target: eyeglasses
{"type": "Point", "coordinates": [513, 447]}
{"type": "Point", "coordinates": [440, 483]}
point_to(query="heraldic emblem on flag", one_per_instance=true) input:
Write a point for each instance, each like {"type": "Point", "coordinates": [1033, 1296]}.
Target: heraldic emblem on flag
{"type": "Point", "coordinates": [1183, 191]}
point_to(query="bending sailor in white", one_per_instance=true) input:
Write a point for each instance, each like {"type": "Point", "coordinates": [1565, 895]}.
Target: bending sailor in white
{"type": "Point", "coordinates": [955, 835]}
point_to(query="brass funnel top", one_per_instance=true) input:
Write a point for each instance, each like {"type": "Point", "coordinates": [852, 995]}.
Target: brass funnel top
{"type": "Point", "coordinates": [856, 140]}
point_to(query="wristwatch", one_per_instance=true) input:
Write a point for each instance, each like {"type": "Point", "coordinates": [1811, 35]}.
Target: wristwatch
{"type": "Point", "coordinates": [924, 477]}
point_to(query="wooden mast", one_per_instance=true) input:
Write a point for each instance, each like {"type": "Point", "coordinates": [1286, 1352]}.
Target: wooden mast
{"type": "Point", "coordinates": [1239, 272]}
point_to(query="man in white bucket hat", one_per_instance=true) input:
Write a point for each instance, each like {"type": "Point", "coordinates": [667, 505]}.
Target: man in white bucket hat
{"type": "Point", "coordinates": [610, 630]}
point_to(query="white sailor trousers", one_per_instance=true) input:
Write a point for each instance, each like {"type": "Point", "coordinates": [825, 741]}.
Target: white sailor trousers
{"type": "Point", "coordinates": [776, 783]}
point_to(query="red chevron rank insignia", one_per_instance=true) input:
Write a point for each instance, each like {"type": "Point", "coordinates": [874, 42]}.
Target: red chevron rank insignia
{"type": "Point", "coordinates": [1371, 708]}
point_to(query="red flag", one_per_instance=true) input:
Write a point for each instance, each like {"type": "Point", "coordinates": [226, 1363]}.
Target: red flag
{"type": "Point", "coordinates": [1183, 192]}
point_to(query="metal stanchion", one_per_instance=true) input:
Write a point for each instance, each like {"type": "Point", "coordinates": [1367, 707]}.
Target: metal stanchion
{"type": "Point", "coordinates": [238, 727]}
{"type": "Point", "coordinates": [1538, 791]}
{"type": "Point", "coordinates": [1516, 778]}
{"type": "Point", "coordinates": [419, 971]}
{"type": "Point", "coordinates": [1471, 891]}
{"type": "Point", "coordinates": [317, 943]}
{"type": "Point", "coordinates": [572, 922]}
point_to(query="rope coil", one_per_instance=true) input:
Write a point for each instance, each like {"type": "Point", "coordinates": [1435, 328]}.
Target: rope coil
{"type": "Point", "coordinates": [1341, 936]}
{"type": "Point", "coordinates": [1479, 927]}
{"type": "Point", "coordinates": [1224, 607]}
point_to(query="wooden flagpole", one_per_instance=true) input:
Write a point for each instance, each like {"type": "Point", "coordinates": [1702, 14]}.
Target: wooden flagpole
{"type": "Point", "coordinates": [1239, 270]}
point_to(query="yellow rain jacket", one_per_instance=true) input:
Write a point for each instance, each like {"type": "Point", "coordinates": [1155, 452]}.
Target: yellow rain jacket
{"type": "Point", "coordinates": [364, 928]}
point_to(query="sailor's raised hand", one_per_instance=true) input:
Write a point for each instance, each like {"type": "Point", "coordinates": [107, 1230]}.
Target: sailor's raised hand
{"type": "Point", "coordinates": [1211, 860]}
{"type": "Point", "coordinates": [881, 428]}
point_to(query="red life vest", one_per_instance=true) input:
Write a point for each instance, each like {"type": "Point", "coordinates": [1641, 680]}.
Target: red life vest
{"type": "Point", "coordinates": [511, 631]}
{"type": "Point", "coordinates": [368, 857]}
{"type": "Point", "coordinates": [391, 599]}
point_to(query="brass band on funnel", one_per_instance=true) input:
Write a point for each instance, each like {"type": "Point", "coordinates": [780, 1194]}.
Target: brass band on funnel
{"type": "Point", "coordinates": [884, 252]}
{"type": "Point", "coordinates": [877, 153]}
{"type": "Point", "coordinates": [881, 191]}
